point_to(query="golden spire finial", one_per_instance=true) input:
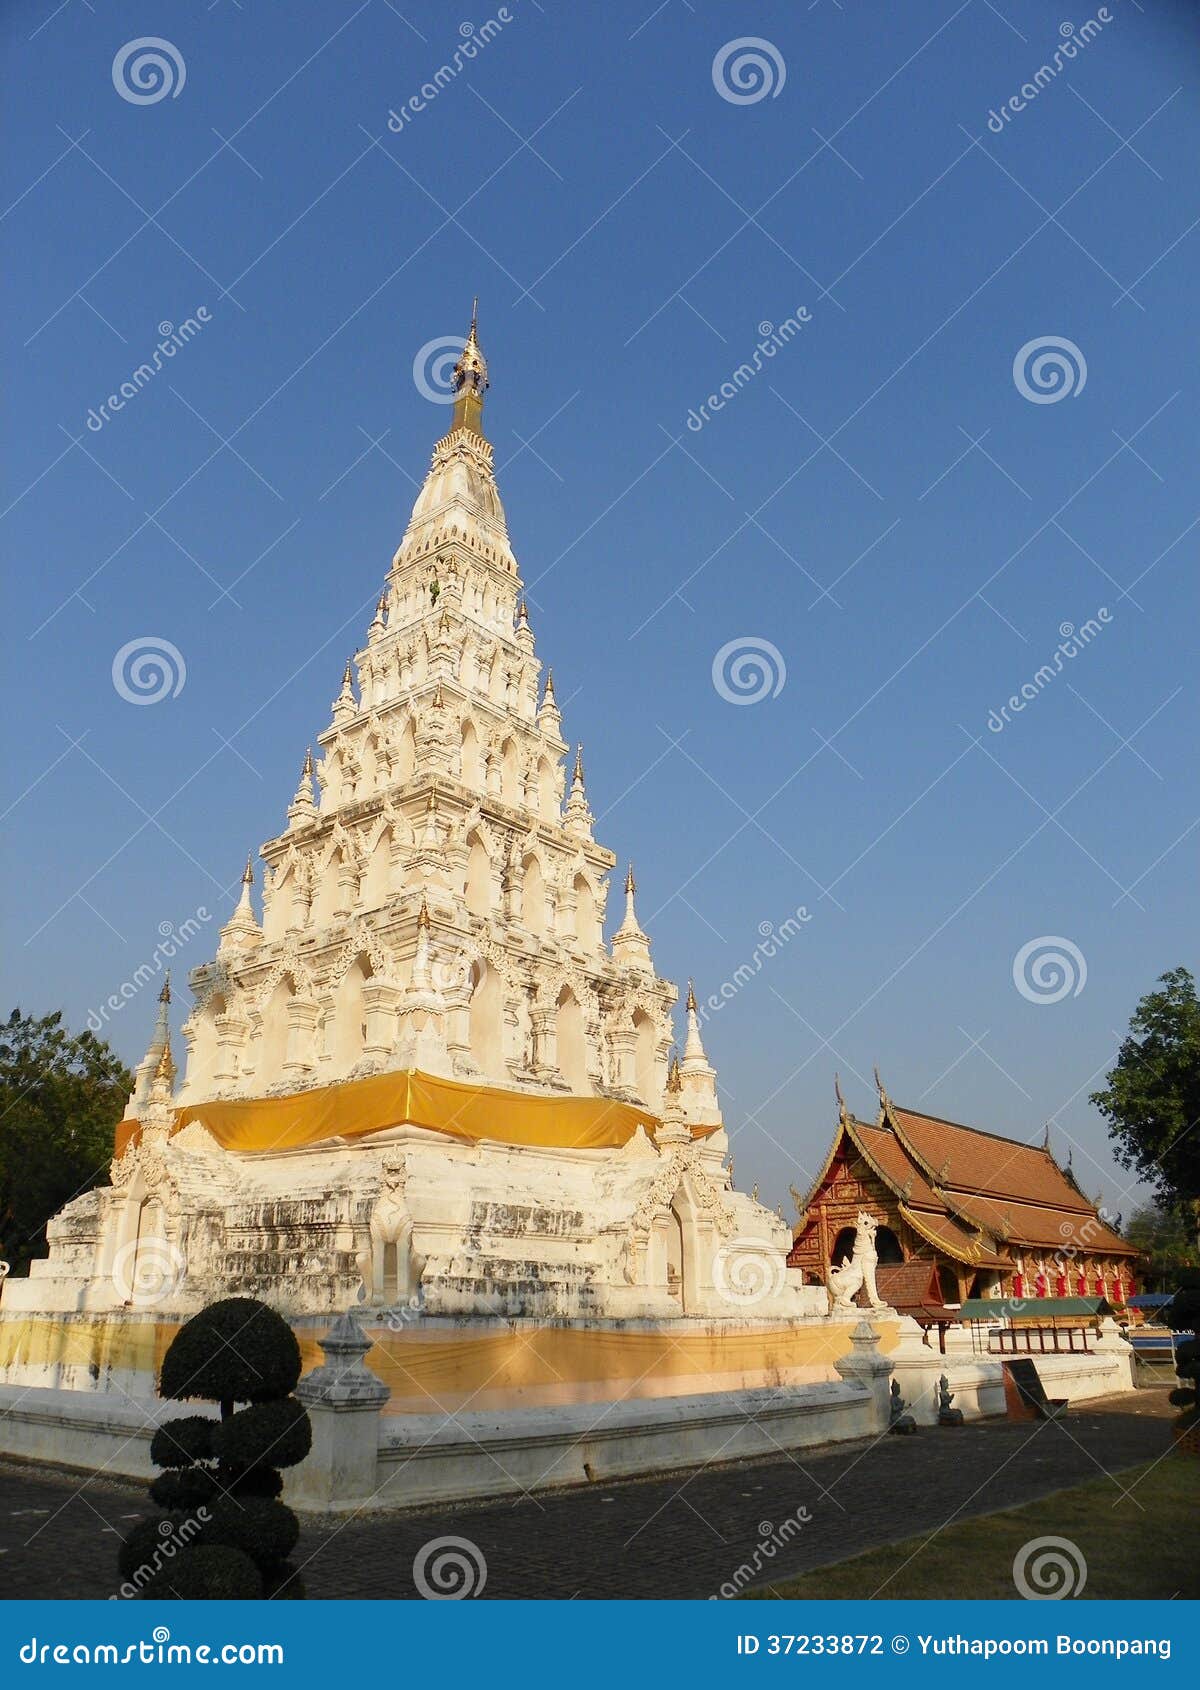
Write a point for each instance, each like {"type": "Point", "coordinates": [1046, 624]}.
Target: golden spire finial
{"type": "Point", "coordinates": [674, 1076]}
{"type": "Point", "coordinates": [348, 673]}
{"type": "Point", "coordinates": [630, 882]}
{"type": "Point", "coordinates": [166, 1064]}
{"type": "Point", "coordinates": [423, 915]}
{"type": "Point", "coordinates": [248, 871]}
{"type": "Point", "coordinates": [578, 775]}
{"type": "Point", "coordinates": [691, 1004]}
{"type": "Point", "coordinates": [470, 379]}
{"type": "Point", "coordinates": [548, 696]}
{"type": "Point", "coordinates": [307, 767]}
{"type": "Point", "coordinates": [165, 995]}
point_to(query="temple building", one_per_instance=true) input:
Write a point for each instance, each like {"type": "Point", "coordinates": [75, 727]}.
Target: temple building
{"type": "Point", "coordinates": [960, 1213]}
{"type": "Point", "coordinates": [422, 1073]}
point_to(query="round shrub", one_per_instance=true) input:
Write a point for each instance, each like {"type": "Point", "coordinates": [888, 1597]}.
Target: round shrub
{"type": "Point", "coordinates": [142, 1548]}
{"type": "Point", "coordinates": [207, 1573]}
{"type": "Point", "coordinates": [188, 1488]}
{"type": "Point", "coordinates": [268, 1434]}
{"type": "Point", "coordinates": [250, 1481]}
{"type": "Point", "coordinates": [181, 1442]}
{"type": "Point", "coordinates": [266, 1531]}
{"type": "Point", "coordinates": [237, 1350]}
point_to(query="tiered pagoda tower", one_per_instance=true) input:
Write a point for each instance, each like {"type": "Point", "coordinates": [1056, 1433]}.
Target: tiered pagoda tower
{"type": "Point", "coordinates": [437, 899]}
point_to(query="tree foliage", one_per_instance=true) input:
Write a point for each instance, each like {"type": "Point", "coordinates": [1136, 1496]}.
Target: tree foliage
{"type": "Point", "coordinates": [1152, 1100]}
{"type": "Point", "coordinates": [1167, 1243]}
{"type": "Point", "coordinates": [61, 1096]}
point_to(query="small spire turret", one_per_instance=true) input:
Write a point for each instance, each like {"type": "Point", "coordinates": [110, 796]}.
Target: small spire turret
{"type": "Point", "coordinates": [302, 808]}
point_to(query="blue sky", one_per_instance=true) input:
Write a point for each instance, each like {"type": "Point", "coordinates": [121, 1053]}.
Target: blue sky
{"type": "Point", "coordinates": [882, 503]}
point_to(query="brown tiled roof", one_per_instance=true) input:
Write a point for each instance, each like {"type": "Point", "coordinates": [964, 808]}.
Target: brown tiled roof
{"type": "Point", "coordinates": [908, 1285]}
{"type": "Point", "coordinates": [948, 1234]}
{"type": "Point", "coordinates": [986, 1163]}
{"type": "Point", "coordinates": [1050, 1228]}
{"type": "Point", "coordinates": [882, 1148]}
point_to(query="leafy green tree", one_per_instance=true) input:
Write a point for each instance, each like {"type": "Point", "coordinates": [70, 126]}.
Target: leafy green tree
{"type": "Point", "coordinates": [1152, 1100]}
{"type": "Point", "coordinates": [61, 1096]}
{"type": "Point", "coordinates": [1166, 1242]}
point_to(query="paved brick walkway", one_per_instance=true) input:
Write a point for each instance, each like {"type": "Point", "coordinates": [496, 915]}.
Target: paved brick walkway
{"type": "Point", "coordinates": [679, 1535]}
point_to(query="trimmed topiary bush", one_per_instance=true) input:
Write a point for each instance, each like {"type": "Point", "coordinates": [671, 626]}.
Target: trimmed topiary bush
{"type": "Point", "coordinates": [183, 1492]}
{"type": "Point", "coordinates": [276, 1434]}
{"type": "Point", "coordinates": [182, 1442]}
{"type": "Point", "coordinates": [207, 1573]}
{"type": "Point", "coordinates": [238, 1350]}
{"type": "Point", "coordinates": [224, 1532]}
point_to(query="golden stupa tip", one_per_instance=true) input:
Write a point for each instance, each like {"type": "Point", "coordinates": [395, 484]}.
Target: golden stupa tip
{"type": "Point", "coordinates": [348, 672]}
{"type": "Point", "coordinates": [423, 914]}
{"type": "Point", "coordinates": [164, 995]}
{"type": "Point", "coordinates": [549, 693]}
{"type": "Point", "coordinates": [166, 1064]}
{"type": "Point", "coordinates": [248, 871]}
{"type": "Point", "coordinates": [579, 762]}
{"type": "Point", "coordinates": [307, 766]}
{"type": "Point", "coordinates": [630, 882]}
{"type": "Point", "coordinates": [691, 997]}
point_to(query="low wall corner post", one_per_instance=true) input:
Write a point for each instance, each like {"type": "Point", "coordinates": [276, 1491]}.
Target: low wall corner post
{"type": "Point", "coordinates": [866, 1365]}
{"type": "Point", "coordinates": [344, 1400]}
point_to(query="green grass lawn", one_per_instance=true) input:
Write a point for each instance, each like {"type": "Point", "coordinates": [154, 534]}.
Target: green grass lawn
{"type": "Point", "coordinates": [1144, 1544]}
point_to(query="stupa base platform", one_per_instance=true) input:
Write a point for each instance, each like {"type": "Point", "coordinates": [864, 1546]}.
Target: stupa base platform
{"type": "Point", "coordinates": [474, 1408]}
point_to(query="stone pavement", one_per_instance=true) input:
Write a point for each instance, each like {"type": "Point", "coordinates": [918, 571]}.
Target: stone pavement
{"type": "Point", "coordinates": [677, 1535]}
